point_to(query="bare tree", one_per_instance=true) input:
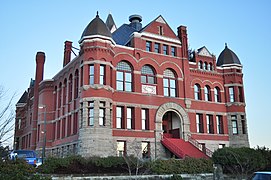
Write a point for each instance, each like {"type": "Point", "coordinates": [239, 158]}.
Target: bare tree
{"type": "Point", "coordinates": [6, 116]}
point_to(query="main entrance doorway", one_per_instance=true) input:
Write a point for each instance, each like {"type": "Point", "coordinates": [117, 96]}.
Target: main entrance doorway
{"type": "Point", "coordinates": [171, 125]}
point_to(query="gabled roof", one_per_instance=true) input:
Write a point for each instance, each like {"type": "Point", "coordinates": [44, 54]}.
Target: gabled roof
{"type": "Point", "coordinates": [203, 51]}
{"type": "Point", "coordinates": [23, 98]}
{"type": "Point", "coordinates": [159, 20]}
{"type": "Point", "coordinates": [227, 56]}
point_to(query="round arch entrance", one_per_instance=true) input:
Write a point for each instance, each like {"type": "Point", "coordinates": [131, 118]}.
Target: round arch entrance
{"type": "Point", "coordinates": [172, 121]}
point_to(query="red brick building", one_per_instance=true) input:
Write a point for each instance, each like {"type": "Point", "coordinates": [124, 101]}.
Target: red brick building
{"type": "Point", "coordinates": [134, 89]}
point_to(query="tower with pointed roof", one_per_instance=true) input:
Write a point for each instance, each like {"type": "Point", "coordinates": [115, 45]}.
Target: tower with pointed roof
{"type": "Point", "coordinates": [134, 89]}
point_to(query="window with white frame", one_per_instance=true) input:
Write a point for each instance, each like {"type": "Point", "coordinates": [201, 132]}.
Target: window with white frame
{"type": "Point", "coordinates": [91, 74]}
{"type": "Point", "coordinates": [231, 94]}
{"type": "Point", "coordinates": [169, 83]}
{"type": "Point", "coordinates": [207, 93]}
{"type": "Point", "coordinates": [102, 74]}
{"type": "Point", "coordinates": [124, 76]}
{"type": "Point", "coordinates": [129, 118]}
{"type": "Point", "coordinates": [197, 92]}
{"type": "Point", "coordinates": [147, 75]}
{"type": "Point", "coordinates": [102, 114]}
{"type": "Point", "coordinates": [234, 124]}
{"type": "Point", "coordinates": [210, 124]}
{"type": "Point", "coordinates": [144, 119]}
{"type": "Point", "coordinates": [157, 47]}
{"type": "Point", "coordinates": [145, 146]}
{"type": "Point", "coordinates": [219, 123]}
{"type": "Point", "coordinates": [148, 46]}
{"type": "Point", "coordinates": [217, 94]}
{"type": "Point", "coordinates": [199, 122]}
{"type": "Point", "coordinates": [121, 148]}
{"type": "Point", "coordinates": [91, 113]}
{"type": "Point", "coordinates": [119, 117]}
{"type": "Point", "coordinates": [165, 49]}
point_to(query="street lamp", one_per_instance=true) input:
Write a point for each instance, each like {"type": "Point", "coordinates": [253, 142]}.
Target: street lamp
{"type": "Point", "coordinates": [44, 129]}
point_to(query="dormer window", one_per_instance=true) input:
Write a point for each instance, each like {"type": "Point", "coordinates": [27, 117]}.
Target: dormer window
{"type": "Point", "coordinates": [199, 65]}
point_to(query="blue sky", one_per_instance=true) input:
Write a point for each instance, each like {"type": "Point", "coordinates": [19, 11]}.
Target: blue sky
{"type": "Point", "coordinates": [31, 26]}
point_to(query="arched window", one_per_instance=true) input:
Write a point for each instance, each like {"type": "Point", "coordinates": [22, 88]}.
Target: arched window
{"type": "Point", "coordinates": [124, 76]}
{"type": "Point", "coordinates": [197, 92]}
{"type": "Point", "coordinates": [210, 66]}
{"type": "Point", "coordinates": [147, 75]}
{"type": "Point", "coordinates": [169, 82]}
{"type": "Point", "coordinates": [207, 93]}
{"type": "Point", "coordinates": [200, 65]}
{"type": "Point", "coordinates": [76, 83]}
{"type": "Point", "coordinates": [205, 66]}
{"type": "Point", "coordinates": [217, 94]}
{"type": "Point", "coordinates": [70, 88]}
{"type": "Point", "coordinates": [55, 98]}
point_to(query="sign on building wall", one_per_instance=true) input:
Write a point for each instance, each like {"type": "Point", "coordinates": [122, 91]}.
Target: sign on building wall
{"type": "Point", "coordinates": [147, 89]}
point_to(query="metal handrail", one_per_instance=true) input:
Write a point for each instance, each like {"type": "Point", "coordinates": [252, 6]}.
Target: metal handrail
{"type": "Point", "coordinates": [195, 143]}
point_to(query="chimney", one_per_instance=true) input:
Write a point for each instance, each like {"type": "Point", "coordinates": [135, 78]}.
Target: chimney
{"type": "Point", "coordinates": [40, 60]}
{"type": "Point", "coordinates": [182, 34]}
{"type": "Point", "coordinates": [135, 21]}
{"type": "Point", "coordinates": [67, 53]}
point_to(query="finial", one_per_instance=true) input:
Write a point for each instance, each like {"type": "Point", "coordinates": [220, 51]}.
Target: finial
{"type": "Point", "coordinates": [97, 14]}
{"type": "Point", "coordinates": [226, 46]}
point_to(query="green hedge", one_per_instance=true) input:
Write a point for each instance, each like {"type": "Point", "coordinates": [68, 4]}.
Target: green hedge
{"type": "Point", "coordinates": [187, 165]}
{"type": "Point", "coordinates": [118, 165]}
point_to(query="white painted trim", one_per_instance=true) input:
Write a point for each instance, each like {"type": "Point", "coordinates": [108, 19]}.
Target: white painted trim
{"type": "Point", "coordinates": [163, 38]}
{"type": "Point", "coordinates": [92, 38]}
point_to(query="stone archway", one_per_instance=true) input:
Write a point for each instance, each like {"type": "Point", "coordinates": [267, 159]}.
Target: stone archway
{"type": "Point", "coordinates": [180, 111]}
{"type": "Point", "coordinates": [185, 125]}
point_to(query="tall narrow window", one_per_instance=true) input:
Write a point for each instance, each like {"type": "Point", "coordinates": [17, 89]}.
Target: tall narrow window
{"type": "Point", "coordinates": [200, 65]}
{"type": "Point", "coordinates": [147, 75]}
{"type": "Point", "coordinates": [165, 49]}
{"type": "Point", "coordinates": [199, 121]}
{"type": "Point", "coordinates": [173, 51]}
{"type": "Point", "coordinates": [145, 150]}
{"type": "Point", "coordinates": [70, 88]}
{"type": "Point", "coordinates": [129, 118]}
{"type": "Point", "coordinates": [240, 94]}
{"type": "Point", "coordinates": [91, 113]}
{"type": "Point", "coordinates": [234, 124]}
{"type": "Point", "coordinates": [102, 114]}
{"type": "Point", "coordinates": [69, 125]}
{"type": "Point", "coordinates": [119, 120]}
{"type": "Point", "coordinates": [58, 129]}
{"type": "Point", "coordinates": [124, 76]}
{"type": "Point", "coordinates": [207, 93]}
{"type": "Point", "coordinates": [217, 94]}
{"type": "Point", "coordinates": [210, 124]}
{"type": "Point", "coordinates": [157, 47]}
{"type": "Point", "coordinates": [219, 122]}
{"type": "Point", "coordinates": [91, 74]}
{"type": "Point", "coordinates": [102, 74]}
{"type": "Point", "coordinates": [160, 30]}
{"type": "Point", "coordinates": [148, 46]}
{"type": "Point", "coordinates": [81, 76]}
{"type": "Point", "coordinates": [75, 123]}
{"type": "Point", "coordinates": [144, 119]}
{"type": "Point", "coordinates": [121, 148]}
{"type": "Point", "coordinates": [231, 94]}
{"type": "Point", "coordinates": [205, 66]}
{"type": "Point", "coordinates": [76, 84]}
{"type": "Point", "coordinates": [169, 82]}
{"type": "Point", "coordinates": [197, 92]}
